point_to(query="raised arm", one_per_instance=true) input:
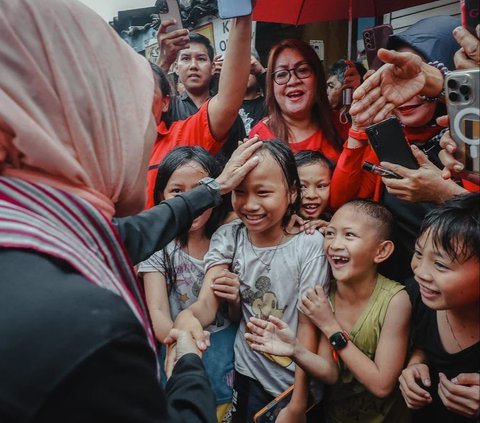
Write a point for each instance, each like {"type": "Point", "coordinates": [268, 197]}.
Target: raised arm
{"type": "Point", "coordinates": [223, 108]}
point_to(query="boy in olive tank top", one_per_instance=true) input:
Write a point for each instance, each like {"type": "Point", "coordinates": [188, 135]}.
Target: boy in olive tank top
{"type": "Point", "coordinates": [364, 322]}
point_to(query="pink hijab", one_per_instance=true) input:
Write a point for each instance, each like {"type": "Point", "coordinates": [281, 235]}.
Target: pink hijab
{"type": "Point", "coordinates": [75, 104]}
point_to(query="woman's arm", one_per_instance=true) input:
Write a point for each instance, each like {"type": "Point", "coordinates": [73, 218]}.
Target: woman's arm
{"type": "Point", "coordinates": [157, 302]}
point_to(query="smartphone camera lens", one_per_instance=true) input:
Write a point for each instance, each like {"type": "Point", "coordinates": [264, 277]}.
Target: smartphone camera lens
{"type": "Point", "coordinates": [464, 89]}
{"type": "Point", "coordinates": [452, 84]}
{"type": "Point", "coordinates": [453, 96]}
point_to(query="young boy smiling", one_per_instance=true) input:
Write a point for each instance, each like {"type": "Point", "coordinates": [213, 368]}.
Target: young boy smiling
{"type": "Point", "coordinates": [364, 323]}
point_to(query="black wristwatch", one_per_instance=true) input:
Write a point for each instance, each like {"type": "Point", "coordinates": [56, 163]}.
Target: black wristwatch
{"type": "Point", "coordinates": [214, 187]}
{"type": "Point", "coordinates": [339, 340]}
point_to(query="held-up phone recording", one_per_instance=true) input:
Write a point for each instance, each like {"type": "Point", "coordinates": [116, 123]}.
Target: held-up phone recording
{"type": "Point", "coordinates": [389, 143]}
{"type": "Point", "coordinates": [169, 9]}
{"type": "Point", "coordinates": [463, 106]}
{"type": "Point", "coordinates": [374, 39]}
{"type": "Point", "coordinates": [228, 9]}
{"type": "Point", "coordinates": [470, 12]}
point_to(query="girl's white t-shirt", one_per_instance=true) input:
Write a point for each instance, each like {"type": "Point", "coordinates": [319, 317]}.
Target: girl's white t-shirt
{"type": "Point", "coordinates": [295, 266]}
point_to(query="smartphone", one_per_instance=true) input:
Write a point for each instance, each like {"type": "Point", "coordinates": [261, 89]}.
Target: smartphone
{"type": "Point", "coordinates": [463, 107]}
{"type": "Point", "coordinates": [228, 9]}
{"type": "Point", "coordinates": [375, 38]}
{"type": "Point", "coordinates": [470, 10]}
{"type": "Point", "coordinates": [389, 143]}
{"type": "Point", "coordinates": [170, 9]}
{"type": "Point", "coordinates": [269, 413]}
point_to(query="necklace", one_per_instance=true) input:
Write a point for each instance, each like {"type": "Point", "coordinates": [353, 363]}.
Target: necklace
{"type": "Point", "coordinates": [267, 265]}
{"type": "Point", "coordinates": [451, 330]}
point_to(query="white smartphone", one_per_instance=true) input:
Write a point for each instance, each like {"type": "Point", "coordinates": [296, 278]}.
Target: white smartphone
{"type": "Point", "coordinates": [462, 93]}
{"type": "Point", "coordinates": [169, 9]}
{"type": "Point", "coordinates": [228, 9]}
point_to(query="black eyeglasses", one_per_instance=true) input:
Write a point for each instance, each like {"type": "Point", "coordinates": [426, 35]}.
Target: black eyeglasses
{"type": "Point", "coordinates": [282, 76]}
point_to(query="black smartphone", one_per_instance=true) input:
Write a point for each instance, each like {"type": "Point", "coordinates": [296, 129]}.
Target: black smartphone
{"type": "Point", "coordinates": [389, 143]}
{"type": "Point", "coordinates": [470, 14]}
{"type": "Point", "coordinates": [375, 38]}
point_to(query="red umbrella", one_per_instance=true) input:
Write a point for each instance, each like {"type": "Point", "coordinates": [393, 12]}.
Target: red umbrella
{"type": "Point", "coordinates": [298, 12]}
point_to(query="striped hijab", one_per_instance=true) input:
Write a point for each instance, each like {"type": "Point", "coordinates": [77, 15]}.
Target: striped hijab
{"type": "Point", "coordinates": [55, 223]}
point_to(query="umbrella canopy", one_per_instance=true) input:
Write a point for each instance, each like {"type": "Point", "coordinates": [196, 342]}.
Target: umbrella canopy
{"type": "Point", "coordinates": [298, 12]}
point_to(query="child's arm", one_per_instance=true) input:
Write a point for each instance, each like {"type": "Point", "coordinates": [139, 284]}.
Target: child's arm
{"type": "Point", "coordinates": [275, 337]}
{"type": "Point", "coordinates": [380, 375]}
{"type": "Point", "coordinates": [226, 285]}
{"type": "Point", "coordinates": [296, 409]}
{"type": "Point", "coordinates": [412, 378]}
{"type": "Point", "coordinates": [202, 312]}
{"type": "Point", "coordinates": [157, 302]}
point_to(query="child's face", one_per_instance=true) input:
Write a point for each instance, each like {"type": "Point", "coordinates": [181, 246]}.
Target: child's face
{"type": "Point", "coordinates": [262, 199]}
{"type": "Point", "coordinates": [184, 179]}
{"type": "Point", "coordinates": [444, 283]}
{"type": "Point", "coordinates": [351, 245]}
{"type": "Point", "coordinates": [315, 183]}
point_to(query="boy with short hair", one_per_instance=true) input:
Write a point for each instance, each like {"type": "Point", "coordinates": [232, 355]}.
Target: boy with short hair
{"type": "Point", "coordinates": [364, 323]}
{"type": "Point", "coordinates": [442, 379]}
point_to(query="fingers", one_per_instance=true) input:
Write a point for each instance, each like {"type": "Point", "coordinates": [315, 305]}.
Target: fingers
{"type": "Point", "coordinates": [415, 396]}
{"type": "Point", "coordinates": [469, 43]}
{"type": "Point", "coordinates": [458, 398]}
{"type": "Point", "coordinates": [467, 379]}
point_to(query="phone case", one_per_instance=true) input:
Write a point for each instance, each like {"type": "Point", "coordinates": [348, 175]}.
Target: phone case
{"type": "Point", "coordinates": [233, 8]}
{"type": "Point", "coordinates": [470, 14]}
{"type": "Point", "coordinates": [374, 39]}
{"type": "Point", "coordinates": [269, 413]}
{"type": "Point", "coordinates": [169, 9]}
{"type": "Point", "coordinates": [389, 143]}
{"type": "Point", "coordinates": [463, 106]}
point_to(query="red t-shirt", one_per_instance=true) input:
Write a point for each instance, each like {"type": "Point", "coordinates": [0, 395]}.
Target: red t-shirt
{"type": "Point", "coordinates": [317, 141]}
{"type": "Point", "coordinates": [195, 130]}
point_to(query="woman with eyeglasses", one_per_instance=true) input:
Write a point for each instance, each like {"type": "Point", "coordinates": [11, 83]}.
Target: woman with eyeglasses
{"type": "Point", "coordinates": [296, 94]}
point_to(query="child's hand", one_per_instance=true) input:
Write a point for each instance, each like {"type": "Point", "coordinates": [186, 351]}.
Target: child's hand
{"type": "Point", "coordinates": [271, 337]}
{"type": "Point", "coordinates": [413, 394]}
{"type": "Point", "coordinates": [298, 224]}
{"type": "Point", "coordinates": [461, 394]}
{"type": "Point", "coordinates": [226, 285]}
{"type": "Point", "coordinates": [190, 324]}
{"type": "Point", "coordinates": [316, 307]}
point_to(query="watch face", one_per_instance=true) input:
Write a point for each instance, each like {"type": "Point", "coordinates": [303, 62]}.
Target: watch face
{"type": "Point", "coordinates": [338, 340]}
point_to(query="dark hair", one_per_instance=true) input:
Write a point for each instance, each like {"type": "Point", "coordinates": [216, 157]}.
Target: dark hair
{"type": "Point", "coordinates": [309, 157]}
{"type": "Point", "coordinates": [376, 211]}
{"type": "Point", "coordinates": [201, 39]}
{"type": "Point", "coordinates": [321, 112]}
{"type": "Point", "coordinates": [178, 157]}
{"type": "Point", "coordinates": [284, 157]}
{"type": "Point", "coordinates": [454, 226]}
{"type": "Point", "coordinates": [161, 79]}
{"type": "Point", "coordinates": [338, 69]}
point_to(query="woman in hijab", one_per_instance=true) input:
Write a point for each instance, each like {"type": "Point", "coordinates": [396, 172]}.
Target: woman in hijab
{"type": "Point", "coordinates": [76, 132]}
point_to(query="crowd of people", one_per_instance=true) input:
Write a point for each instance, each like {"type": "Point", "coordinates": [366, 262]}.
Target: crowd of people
{"type": "Point", "coordinates": [188, 255]}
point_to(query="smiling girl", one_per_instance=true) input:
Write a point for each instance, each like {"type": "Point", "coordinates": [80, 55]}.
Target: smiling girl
{"type": "Point", "coordinates": [275, 268]}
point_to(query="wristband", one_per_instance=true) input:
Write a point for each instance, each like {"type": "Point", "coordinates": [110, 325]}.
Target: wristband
{"type": "Point", "coordinates": [357, 135]}
{"type": "Point", "coordinates": [444, 71]}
